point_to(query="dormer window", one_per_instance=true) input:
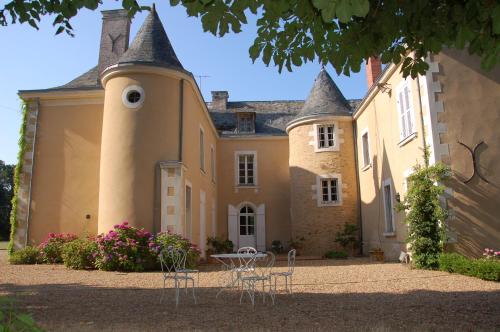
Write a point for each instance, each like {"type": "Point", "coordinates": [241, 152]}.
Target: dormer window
{"type": "Point", "coordinates": [246, 123]}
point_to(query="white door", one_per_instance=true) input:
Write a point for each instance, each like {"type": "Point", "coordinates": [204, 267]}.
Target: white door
{"type": "Point", "coordinates": [203, 223]}
{"type": "Point", "coordinates": [246, 227]}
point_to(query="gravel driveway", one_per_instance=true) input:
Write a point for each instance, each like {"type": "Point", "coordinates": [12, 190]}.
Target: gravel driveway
{"type": "Point", "coordinates": [329, 295]}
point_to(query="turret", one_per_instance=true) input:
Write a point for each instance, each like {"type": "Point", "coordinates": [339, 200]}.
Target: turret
{"type": "Point", "coordinates": [322, 167]}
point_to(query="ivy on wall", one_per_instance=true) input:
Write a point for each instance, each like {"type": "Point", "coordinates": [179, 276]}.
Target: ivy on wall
{"type": "Point", "coordinates": [425, 216]}
{"type": "Point", "coordinates": [17, 175]}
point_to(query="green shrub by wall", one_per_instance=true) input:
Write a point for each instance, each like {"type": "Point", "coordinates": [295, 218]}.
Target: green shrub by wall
{"type": "Point", "coordinates": [27, 255]}
{"type": "Point", "coordinates": [486, 269]}
{"type": "Point", "coordinates": [17, 176]}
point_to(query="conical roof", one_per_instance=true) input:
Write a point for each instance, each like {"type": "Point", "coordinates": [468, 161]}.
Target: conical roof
{"type": "Point", "coordinates": [325, 98]}
{"type": "Point", "coordinates": [151, 45]}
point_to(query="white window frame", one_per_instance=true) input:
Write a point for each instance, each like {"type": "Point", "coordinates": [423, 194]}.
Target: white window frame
{"type": "Point", "coordinates": [366, 149]}
{"type": "Point", "coordinates": [212, 162]}
{"type": "Point", "coordinates": [202, 148]}
{"type": "Point", "coordinates": [319, 190]}
{"type": "Point", "coordinates": [385, 183]}
{"type": "Point", "coordinates": [335, 146]}
{"type": "Point", "coordinates": [237, 155]}
{"type": "Point", "coordinates": [406, 115]}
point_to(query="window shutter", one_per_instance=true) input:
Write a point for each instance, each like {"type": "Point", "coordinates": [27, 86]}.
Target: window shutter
{"type": "Point", "coordinates": [261, 228]}
{"type": "Point", "coordinates": [232, 225]}
{"type": "Point", "coordinates": [400, 106]}
{"type": "Point", "coordinates": [409, 109]}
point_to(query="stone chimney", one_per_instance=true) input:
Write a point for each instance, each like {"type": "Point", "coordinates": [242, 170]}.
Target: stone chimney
{"type": "Point", "coordinates": [114, 37]}
{"type": "Point", "coordinates": [373, 70]}
{"type": "Point", "coordinates": [219, 100]}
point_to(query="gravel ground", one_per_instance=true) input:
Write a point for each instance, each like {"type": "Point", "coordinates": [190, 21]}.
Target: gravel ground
{"type": "Point", "coordinates": [329, 295]}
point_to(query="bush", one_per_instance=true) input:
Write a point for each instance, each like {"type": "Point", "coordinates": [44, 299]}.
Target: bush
{"type": "Point", "coordinates": [486, 269]}
{"type": "Point", "coordinates": [80, 254]}
{"type": "Point", "coordinates": [27, 255]}
{"type": "Point", "coordinates": [51, 248]}
{"type": "Point", "coordinates": [332, 254]}
{"type": "Point", "coordinates": [125, 248]}
{"type": "Point", "coordinates": [220, 246]}
{"type": "Point", "coordinates": [166, 240]}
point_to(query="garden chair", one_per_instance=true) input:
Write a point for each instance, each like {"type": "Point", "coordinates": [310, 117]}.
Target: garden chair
{"type": "Point", "coordinates": [260, 274]}
{"type": "Point", "coordinates": [173, 267]}
{"type": "Point", "coordinates": [287, 274]}
{"type": "Point", "coordinates": [246, 264]}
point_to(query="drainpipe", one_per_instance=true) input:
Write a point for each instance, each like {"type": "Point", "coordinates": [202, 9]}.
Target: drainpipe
{"type": "Point", "coordinates": [356, 163]}
{"type": "Point", "coordinates": [181, 117]}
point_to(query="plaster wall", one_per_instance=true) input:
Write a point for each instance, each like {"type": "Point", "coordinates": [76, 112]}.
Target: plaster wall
{"type": "Point", "coordinates": [318, 225]}
{"type": "Point", "coordinates": [65, 182]}
{"type": "Point", "coordinates": [471, 102]}
{"type": "Point", "coordinates": [273, 186]}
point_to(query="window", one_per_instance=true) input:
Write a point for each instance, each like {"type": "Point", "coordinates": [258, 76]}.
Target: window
{"type": "Point", "coordinates": [366, 149]}
{"type": "Point", "coordinates": [246, 123]}
{"type": "Point", "coordinates": [388, 207]}
{"type": "Point", "coordinates": [202, 149]}
{"type": "Point", "coordinates": [326, 136]}
{"type": "Point", "coordinates": [212, 162]}
{"type": "Point", "coordinates": [133, 96]}
{"type": "Point", "coordinates": [405, 109]}
{"type": "Point", "coordinates": [247, 221]}
{"type": "Point", "coordinates": [329, 190]}
{"type": "Point", "coordinates": [246, 168]}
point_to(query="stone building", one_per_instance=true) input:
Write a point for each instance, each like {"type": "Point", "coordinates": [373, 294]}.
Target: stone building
{"type": "Point", "coordinates": [132, 139]}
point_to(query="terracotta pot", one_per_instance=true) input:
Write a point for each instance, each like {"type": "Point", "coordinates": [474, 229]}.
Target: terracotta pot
{"type": "Point", "coordinates": [377, 255]}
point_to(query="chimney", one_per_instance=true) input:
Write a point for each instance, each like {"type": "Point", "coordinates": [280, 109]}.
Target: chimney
{"type": "Point", "coordinates": [373, 70]}
{"type": "Point", "coordinates": [114, 37]}
{"type": "Point", "coordinates": [219, 100]}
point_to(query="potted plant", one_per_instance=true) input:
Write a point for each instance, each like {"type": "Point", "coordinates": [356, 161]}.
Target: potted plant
{"type": "Point", "coordinates": [296, 243]}
{"type": "Point", "coordinates": [276, 246]}
{"type": "Point", "coordinates": [218, 246]}
{"type": "Point", "coordinates": [377, 254]}
{"type": "Point", "coordinates": [347, 239]}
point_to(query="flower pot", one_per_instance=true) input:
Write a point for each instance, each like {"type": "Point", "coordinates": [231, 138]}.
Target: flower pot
{"type": "Point", "coordinates": [377, 255]}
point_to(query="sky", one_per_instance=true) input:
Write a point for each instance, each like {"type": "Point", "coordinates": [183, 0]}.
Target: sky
{"type": "Point", "coordinates": [38, 59]}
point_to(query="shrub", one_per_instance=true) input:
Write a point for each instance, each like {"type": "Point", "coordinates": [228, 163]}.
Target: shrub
{"type": "Point", "coordinates": [125, 248]}
{"type": "Point", "coordinates": [11, 320]}
{"type": "Point", "coordinates": [491, 254]}
{"type": "Point", "coordinates": [347, 237]}
{"type": "Point", "coordinates": [166, 240]}
{"type": "Point", "coordinates": [332, 254]}
{"type": "Point", "coordinates": [220, 246]}
{"type": "Point", "coordinates": [80, 254]}
{"type": "Point", "coordinates": [486, 269]}
{"type": "Point", "coordinates": [51, 248]}
{"type": "Point", "coordinates": [27, 255]}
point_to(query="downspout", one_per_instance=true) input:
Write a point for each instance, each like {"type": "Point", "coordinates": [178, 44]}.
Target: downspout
{"type": "Point", "coordinates": [181, 117]}
{"type": "Point", "coordinates": [37, 101]}
{"type": "Point", "coordinates": [356, 163]}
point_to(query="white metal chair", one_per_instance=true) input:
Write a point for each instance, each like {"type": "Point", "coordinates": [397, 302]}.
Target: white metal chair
{"type": "Point", "coordinates": [287, 274]}
{"type": "Point", "coordinates": [261, 273]}
{"type": "Point", "coordinates": [246, 264]}
{"type": "Point", "coordinates": [173, 267]}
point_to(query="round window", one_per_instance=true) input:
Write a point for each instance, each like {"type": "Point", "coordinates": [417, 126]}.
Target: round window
{"type": "Point", "coordinates": [133, 96]}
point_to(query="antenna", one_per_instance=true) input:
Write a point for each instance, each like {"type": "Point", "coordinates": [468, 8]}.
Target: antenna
{"type": "Point", "coordinates": [200, 77]}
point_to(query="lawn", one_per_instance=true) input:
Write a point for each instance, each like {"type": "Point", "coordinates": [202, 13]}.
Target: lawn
{"type": "Point", "coordinates": [343, 295]}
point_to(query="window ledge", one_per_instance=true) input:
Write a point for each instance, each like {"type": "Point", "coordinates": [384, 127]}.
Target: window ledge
{"type": "Point", "coordinates": [329, 149]}
{"type": "Point", "coordinates": [366, 167]}
{"type": "Point", "coordinates": [408, 139]}
{"type": "Point", "coordinates": [246, 187]}
{"type": "Point", "coordinates": [389, 234]}
{"type": "Point", "coordinates": [329, 204]}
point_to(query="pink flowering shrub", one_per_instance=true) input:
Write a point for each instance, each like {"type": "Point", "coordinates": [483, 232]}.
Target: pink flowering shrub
{"type": "Point", "coordinates": [125, 248]}
{"type": "Point", "coordinates": [491, 254]}
{"type": "Point", "coordinates": [164, 241]}
{"type": "Point", "coordinates": [51, 247]}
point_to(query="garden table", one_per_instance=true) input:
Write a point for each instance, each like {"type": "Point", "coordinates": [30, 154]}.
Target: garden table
{"type": "Point", "coordinates": [231, 262]}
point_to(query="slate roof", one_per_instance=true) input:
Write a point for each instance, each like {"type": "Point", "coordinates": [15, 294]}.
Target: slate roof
{"type": "Point", "coordinates": [325, 98]}
{"type": "Point", "coordinates": [151, 45]}
{"type": "Point", "coordinates": [271, 117]}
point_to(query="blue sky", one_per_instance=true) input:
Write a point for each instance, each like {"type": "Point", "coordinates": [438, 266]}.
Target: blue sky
{"type": "Point", "coordinates": [32, 59]}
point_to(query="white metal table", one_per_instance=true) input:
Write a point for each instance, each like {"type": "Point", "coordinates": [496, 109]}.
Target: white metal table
{"type": "Point", "coordinates": [230, 262]}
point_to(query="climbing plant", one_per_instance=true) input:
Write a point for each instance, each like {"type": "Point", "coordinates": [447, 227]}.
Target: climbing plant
{"type": "Point", "coordinates": [17, 176]}
{"type": "Point", "coordinates": [424, 214]}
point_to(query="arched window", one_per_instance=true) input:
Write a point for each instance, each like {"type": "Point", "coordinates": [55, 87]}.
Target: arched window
{"type": "Point", "coordinates": [247, 220]}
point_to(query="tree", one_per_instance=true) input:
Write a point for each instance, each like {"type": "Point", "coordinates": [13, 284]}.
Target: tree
{"type": "Point", "coordinates": [341, 32]}
{"type": "Point", "coordinates": [6, 193]}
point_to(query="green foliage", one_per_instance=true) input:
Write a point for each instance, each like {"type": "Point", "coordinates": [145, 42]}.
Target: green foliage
{"type": "Point", "coordinates": [6, 194]}
{"type": "Point", "coordinates": [167, 240]}
{"type": "Point", "coordinates": [347, 236]}
{"type": "Point", "coordinates": [51, 248]}
{"type": "Point", "coordinates": [425, 216]}
{"type": "Point", "coordinates": [10, 320]}
{"type": "Point", "coordinates": [17, 176]}
{"type": "Point", "coordinates": [487, 269]}
{"type": "Point", "coordinates": [347, 32]}
{"type": "Point", "coordinates": [220, 246]}
{"type": "Point", "coordinates": [27, 255]}
{"type": "Point", "coordinates": [332, 254]}
{"type": "Point", "coordinates": [80, 254]}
